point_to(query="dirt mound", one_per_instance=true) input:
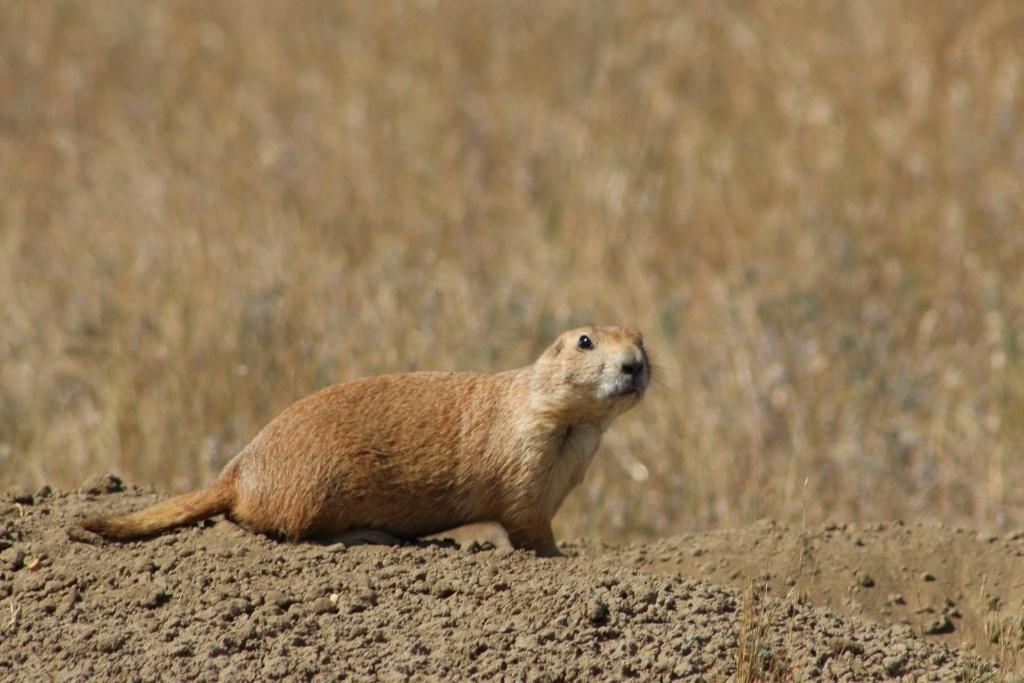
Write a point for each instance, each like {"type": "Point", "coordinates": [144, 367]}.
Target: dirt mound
{"type": "Point", "coordinates": [215, 602]}
{"type": "Point", "coordinates": [954, 585]}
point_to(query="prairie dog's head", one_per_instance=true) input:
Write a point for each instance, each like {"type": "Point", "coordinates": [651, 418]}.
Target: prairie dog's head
{"type": "Point", "coordinates": [597, 372]}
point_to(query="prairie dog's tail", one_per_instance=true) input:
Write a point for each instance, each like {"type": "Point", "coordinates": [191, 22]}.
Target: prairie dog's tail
{"type": "Point", "coordinates": [183, 509]}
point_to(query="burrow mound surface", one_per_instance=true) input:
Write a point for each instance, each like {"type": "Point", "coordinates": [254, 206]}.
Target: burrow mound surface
{"type": "Point", "coordinates": [215, 602]}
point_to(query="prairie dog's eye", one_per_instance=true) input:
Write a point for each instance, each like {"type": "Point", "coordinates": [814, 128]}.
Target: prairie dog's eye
{"type": "Point", "coordinates": [585, 342]}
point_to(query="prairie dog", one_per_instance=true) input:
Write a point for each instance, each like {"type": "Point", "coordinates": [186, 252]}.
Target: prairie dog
{"type": "Point", "coordinates": [419, 453]}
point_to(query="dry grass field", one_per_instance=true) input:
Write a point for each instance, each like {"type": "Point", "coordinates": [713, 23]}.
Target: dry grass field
{"type": "Point", "coordinates": [815, 211]}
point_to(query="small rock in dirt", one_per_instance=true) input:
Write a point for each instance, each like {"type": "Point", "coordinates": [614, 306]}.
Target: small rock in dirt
{"type": "Point", "coordinates": [894, 664]}
{"type": "Point", "coordinates": [148, 596]}
{"type": "Point", "coordinates": [143, 565]}
{"type": "Point", "coordinates": [278, 599]}
{"type": "Point", "coordinates": [44, 492]}
{"type": "Point", "coordinates": [839, 645]}
{"type": "Point", "coordinates": [20, 494]}
{"type": "Point", "coordinates": [110, 642]}
{"type": "Point", "coordinates": [441, 589]}
{"type": "Point", "coordinates": [178, 650]}
{"type": "Point", "coordinates": [12, 558]}
{"type": "Point", "coordinates": [927, 576]}
{"type": "Point", "coordinates": [938, 626]}
{"type": "Point", "coordinates": [324, 606]}
{"type": "Point", "coordinates": [80, 535]}
{"type": "Point", "coordinates": [102, 483]}
{"type": "Point", "coordinates": [864, 579]}
{"type": "Point", "coordinates": [234, 608]}
{"type": "Point", "coordinates": [69, 602]}
{"type": "Point", "coordinates": [904, 631]}
{"type": "Point", "coordinates": [895, 599]}
{"type": "Point", "coordinates": [355, 607]}
{"type": "Point", "coordinates": [597, 610]}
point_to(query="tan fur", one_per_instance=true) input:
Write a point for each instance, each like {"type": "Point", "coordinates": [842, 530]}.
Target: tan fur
{"type": "Point", "coordinates": [416, 454]}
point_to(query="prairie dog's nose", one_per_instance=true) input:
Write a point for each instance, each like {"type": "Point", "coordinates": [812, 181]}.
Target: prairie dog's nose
{"type": "Point", "coordinates": [633, 363]}
{"type": "Point", "coordinates": [633, 367]}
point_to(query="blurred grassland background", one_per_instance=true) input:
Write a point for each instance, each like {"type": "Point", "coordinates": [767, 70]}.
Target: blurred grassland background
{"type": "Point", "coordinates": [814, 211]}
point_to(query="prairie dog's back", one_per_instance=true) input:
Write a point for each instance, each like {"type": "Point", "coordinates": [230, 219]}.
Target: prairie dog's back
{"type": "Point", "coordinates": [422, 438]}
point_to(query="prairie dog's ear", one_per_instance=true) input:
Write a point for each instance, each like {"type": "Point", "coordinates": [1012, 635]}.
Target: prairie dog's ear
{"type": "Point", "coordinates": [557, 348]}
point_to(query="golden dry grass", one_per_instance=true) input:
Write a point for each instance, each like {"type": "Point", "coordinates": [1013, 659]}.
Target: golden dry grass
{"type": "Point", "coordinates": [815, 211]}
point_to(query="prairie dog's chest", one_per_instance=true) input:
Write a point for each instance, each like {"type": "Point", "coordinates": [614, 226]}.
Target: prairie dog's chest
{"type": "Point", "coordinates": [573, 460]}
{"type": "Point", "coordinates": [580, 445]}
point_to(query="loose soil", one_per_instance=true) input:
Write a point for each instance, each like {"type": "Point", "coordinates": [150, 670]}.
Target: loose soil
{"type": "Point", "coordinates": [215, 602]}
